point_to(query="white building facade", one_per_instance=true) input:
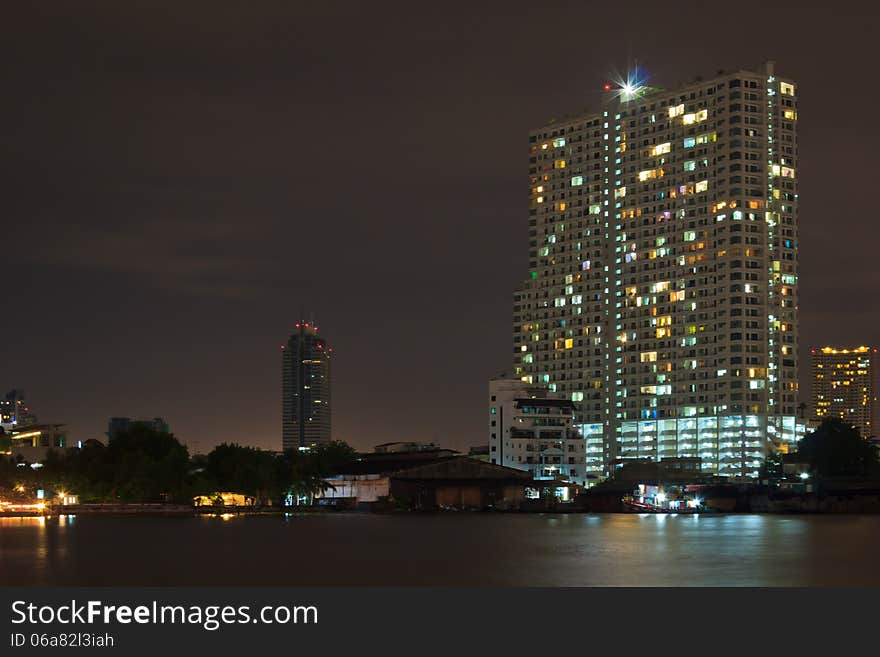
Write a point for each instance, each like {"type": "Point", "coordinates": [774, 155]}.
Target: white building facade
{"type": "Point", "coordinates": [662, 292]}
{"type": "Point", "coordinates": [533, 429]}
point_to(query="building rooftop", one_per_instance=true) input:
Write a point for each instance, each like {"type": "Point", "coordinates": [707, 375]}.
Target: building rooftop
{"type": "Point", "coordinates": [837, 350]}
{"type": "Point", "coordinates": [638, 91]}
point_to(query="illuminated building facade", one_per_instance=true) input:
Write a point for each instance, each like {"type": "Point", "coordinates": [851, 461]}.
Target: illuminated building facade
{"type": "Point", "coordinates": [662, 292]}
{"type": "Point", "coordinates": [305, 388]}
{"type": "Point", "coordinates": [33, 441]}
{"type": "Point", "coordinates": [845, 386]}
{"type": "Point", "coordinates": [533, 429]}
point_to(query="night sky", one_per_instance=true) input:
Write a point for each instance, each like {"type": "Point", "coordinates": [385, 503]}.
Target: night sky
{"type": "Point", "coordinates": [179, 182]}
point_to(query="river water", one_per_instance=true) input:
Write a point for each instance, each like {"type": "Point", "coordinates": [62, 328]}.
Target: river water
{"type": "Point", "coordinates": [455, 549]}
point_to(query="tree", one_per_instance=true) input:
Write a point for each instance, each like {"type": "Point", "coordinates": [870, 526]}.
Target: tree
{"type": "Point", "coordinates": [145, 465]}
{"type": "Point", "coordinates": [837, 449]}
{"type": "Point", "coordinates": [303, 474]}
{"type": "Point", "coordinates": [772, 468]}
{"type": "Point", "coordinates": [233, 468]}
{"type": "Point", "coordinates": [330, 456]}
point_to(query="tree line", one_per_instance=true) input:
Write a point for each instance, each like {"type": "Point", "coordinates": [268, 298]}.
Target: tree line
{"type": "Point", "coordinates": [145, 465]}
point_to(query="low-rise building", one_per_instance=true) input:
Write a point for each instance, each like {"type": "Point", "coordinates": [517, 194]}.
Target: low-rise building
{"type": "Point", "coordinates": [224, 499]}
{"type": "Point", "coordinates": [415, 481]}
{"type": "Point", "coordinates": [532, 429]}
{"type": "Point", "coordinates": [32, 442]}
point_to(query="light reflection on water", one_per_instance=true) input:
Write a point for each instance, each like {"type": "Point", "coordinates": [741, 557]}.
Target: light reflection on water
{"type": "Point", "coordinates": [445, 549]}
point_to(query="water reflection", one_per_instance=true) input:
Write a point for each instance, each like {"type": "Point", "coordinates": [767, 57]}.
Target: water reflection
{"type": "Point", "coordinates": [29, 521]}
{"type": "Point", "coordinates": [443, 549]}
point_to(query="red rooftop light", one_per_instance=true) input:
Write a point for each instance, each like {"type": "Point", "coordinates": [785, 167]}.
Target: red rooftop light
{"type": "Point", "coordinates": [606, 87]}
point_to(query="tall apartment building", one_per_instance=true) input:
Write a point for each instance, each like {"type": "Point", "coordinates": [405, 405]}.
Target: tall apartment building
{"type": "Point", "coordinates": [533, 429]}
{"type": "Point", "coordinates": [662, 291]}
{"type": "Point", "coordinates": [845, 386]}
{"type": "Point", "coordinates": [305, 388]}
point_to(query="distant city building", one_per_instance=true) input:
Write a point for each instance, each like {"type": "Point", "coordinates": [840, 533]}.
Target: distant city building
{"type": "Point", "coordinates": [118, 425]}
{"type": "Point", "coordinates": [26, 439]}
{"type": "Point", "coordinates": [845, 386]}
{"type": "Point", "coordinates": [389, 448]}
{"type": "Point", "coordinates": [305, 389]}
{"type": "Point", "coordinates": [14, 410]}
{"type": "Point", "coordinates": [661, 295]}
{"type": "Point", "coordinates": [533, 429]}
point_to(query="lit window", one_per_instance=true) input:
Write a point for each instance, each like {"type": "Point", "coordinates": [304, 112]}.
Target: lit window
{"type": "Point", "coordinates": [650, 173]}
{"type": "Point", "coordinates": [786, 88]}
{"type": "Point", "coordinates": [577, 181]}
{"type": "Point", "coordinates": [707, 138]}
{"type": "Point", "coordinates": [661, 149]}
{"type": "Point", "coordinates": [689, 119]}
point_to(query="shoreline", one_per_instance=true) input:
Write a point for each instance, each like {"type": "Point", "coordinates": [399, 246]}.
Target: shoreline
{"type": "Point", "coordinates": [175, 511]}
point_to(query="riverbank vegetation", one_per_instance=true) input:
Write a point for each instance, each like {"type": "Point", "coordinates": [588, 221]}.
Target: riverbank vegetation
{"type": "Point", "coordinates": [145, 465]}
